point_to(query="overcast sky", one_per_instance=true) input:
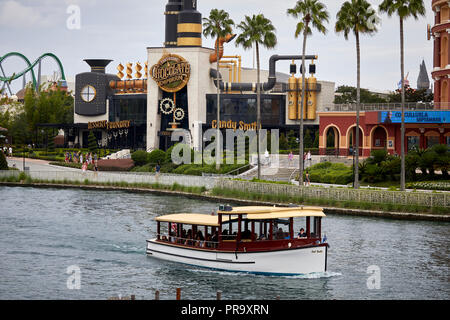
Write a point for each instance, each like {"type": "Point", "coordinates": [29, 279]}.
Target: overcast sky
{"type": "Point", "coordinates": [122, 30]}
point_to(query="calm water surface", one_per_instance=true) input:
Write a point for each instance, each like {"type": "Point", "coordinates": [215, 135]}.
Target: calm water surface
{"type": "Point", "coordinates": [44, 231]}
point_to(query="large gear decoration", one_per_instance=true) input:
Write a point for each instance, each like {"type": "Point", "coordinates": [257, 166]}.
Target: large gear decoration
{"type": "Point", "coordinates": [179, 114]}
{"type": "Point", "coordinates": [167, 106]}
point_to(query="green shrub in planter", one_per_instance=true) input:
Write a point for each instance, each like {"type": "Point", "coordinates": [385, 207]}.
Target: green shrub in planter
{"type": "Point", "coordinates": [193, 171]}
{"type": "Point", "coordinates": [140, 157]}
{"type": "Point", "coordinates": [156, 156]}
{"type": "Point", "coordinates": [182, 168]}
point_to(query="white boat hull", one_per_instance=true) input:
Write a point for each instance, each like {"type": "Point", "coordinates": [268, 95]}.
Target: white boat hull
{"type": "Point", "coordinates": [279, 262]}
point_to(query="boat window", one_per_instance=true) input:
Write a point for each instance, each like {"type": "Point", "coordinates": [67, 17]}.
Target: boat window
{"type": "Point", "coordinates": [190, 235]}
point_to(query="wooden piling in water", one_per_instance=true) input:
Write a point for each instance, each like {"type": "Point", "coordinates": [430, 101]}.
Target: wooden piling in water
{"type": "Point", "coordinates": [157, 295]}
{"type": "Point", "coordinates": [178, 293]}
{"type": "Point", "coordinates": [219, 295]}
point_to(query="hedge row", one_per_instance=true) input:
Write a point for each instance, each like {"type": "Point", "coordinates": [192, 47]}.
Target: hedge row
{"type": "Point", "coordinates": [332, 173]}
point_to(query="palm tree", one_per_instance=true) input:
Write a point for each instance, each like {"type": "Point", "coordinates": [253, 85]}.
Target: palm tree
{"type": "Point", "coordinates": [257, 30]}
{"type": "Point", "coordinates": [357, 17]}
{"type": "Point", "coordinates": [310, 13]}
{"type": "Point", "coordinates": [404, 9]}
{"type": "Point", "coordinates": [217, 26]}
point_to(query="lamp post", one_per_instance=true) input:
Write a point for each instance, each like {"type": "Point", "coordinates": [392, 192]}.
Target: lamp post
{"type": "Point", "coordinates": [203, 148]}
{"type": "Point", "coordinates": [353, 151]}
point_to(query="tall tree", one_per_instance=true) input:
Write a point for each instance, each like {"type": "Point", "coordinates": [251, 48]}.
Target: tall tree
{"type": "Point", "coordinates": [217, 25]}
{"type": "Point", "coordinates": [403, 9]}
{"type": "Point", "coordinates": [357, 17]}
{"type": "Point", "coordinates": [311, 13]}
{"type": "Point", "coordinates": [257, 30]}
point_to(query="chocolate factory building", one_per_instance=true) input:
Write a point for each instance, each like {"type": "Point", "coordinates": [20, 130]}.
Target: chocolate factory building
{"type": "Point", "coordinates": [142, 105]}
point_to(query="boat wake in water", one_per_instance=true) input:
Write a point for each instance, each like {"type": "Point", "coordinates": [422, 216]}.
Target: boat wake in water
{"type": "Point", "coordinates": [314, 275]}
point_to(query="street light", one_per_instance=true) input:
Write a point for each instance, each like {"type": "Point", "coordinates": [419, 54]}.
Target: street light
{"type": "Point", "coordinates": [204, 140]}
{"type": "Point", "coordinates": [352, 152]}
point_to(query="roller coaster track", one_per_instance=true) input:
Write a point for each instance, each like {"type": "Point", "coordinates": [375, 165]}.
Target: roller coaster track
{"type": "Point", "coordinates": [7, 80]}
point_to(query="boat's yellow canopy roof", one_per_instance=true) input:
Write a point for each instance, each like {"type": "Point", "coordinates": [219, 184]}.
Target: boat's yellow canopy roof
{"type": "Point", "coordinates": [252, 212]}
{"type": "Point", "coordinates": [192, 218]}
{"type": "Point", "coordinates": [286, 214]}
{"type": "Point", "coordinates": [266, 212]}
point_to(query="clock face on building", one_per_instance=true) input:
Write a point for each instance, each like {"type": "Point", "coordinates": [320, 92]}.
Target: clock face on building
{"type": "Point", "coordinates": [88, 93]}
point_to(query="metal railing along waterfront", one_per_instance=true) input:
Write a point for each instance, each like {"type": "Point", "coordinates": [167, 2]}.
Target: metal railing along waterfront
{"type": "Point", "coordinates": [441, 199]}
{"type": "Point", "coordinates": [421, 198]}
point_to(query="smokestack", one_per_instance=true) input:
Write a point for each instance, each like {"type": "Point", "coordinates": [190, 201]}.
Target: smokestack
{"type": "Point", "coordinates": [98, 65]}
{"type": "Point", "coordinates": [173, 8]}
{"type": "Point", "coordinates": [189, 30]}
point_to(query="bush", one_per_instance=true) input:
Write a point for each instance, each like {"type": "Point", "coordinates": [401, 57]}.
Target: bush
{"type": "Point", "coordinates": [378, 156]}
{"type": "Point", "coordinates": [373, 173]}
{"type": "Point", "coordinates": [333, 173]}
{"type": "Point", "coordinates": [156, 156]}
{"type": "Point", "coordinates": [92, 142]}
{"type": "Point", "coordinates": [140, 157]}
{"type": "Point", "coordinates": [427, 162]}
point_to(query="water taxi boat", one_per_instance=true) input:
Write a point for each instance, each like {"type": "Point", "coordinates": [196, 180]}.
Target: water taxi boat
{"type": "Point", "coordinates": [252, 239]}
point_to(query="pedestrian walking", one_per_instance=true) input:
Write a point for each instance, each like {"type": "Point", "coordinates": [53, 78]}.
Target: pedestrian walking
{"type": "Point", "coordinates": [10, 151]}
{"type": "Point", "coordinates": [266, 156]}
{"type": "Point", "coordinates": [84, 166]}
{"type": "Point", "coordinates": [307, 181]}
{"type": "Point", "coordinates": [290, 157]}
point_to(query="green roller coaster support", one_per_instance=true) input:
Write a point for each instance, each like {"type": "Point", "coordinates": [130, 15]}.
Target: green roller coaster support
{"type": "Point", "coordinates": [30, 66]}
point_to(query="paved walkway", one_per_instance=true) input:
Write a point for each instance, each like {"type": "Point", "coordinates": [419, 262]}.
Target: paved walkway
{"type": "Point", "coordinates": [36, 165]}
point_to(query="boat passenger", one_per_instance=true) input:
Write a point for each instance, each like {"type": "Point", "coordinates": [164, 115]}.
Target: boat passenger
{"type": "Point", "coordinates": [215, 236]}
{"type": "Point", "coordinates": [280, 234]}
{"type": "Point", "coordinates": [247, 234]}
{"type": "Point", "coordinates": [207, 242]}
{"type": "Point", "coordinates": [301, 234]}
{"type": "Point", "coordinates": [189, 238]}
{"type": "Point", "coordinates": [183, 237]}
{"type": "Point", "coordinates": [200, 239]}
{"type": "Point", "coordinates": [173, 237]}
{"type": "Point", "coordinates": [225, 234]}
